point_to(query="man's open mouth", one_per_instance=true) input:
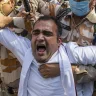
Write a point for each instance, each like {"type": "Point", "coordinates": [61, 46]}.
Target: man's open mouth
{"type": "Point", "coordinates": [41, 49]}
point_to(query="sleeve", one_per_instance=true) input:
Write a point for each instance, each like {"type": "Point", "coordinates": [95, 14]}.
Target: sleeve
{"type": "Point", "coordinates": [16, 44]}
{"type": "Point", "coordinates": [81, 55]}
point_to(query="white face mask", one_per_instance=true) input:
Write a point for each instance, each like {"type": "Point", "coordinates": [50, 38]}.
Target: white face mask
{"type": "Point", "coordinates": [79, 8]}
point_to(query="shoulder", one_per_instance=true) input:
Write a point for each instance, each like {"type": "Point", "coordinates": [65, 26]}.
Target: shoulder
{"type": "Point", "coordinates": [92, 16]}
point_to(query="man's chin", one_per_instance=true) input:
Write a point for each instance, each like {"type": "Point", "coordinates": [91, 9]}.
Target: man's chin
{"type": "Point", "coordinates": [41, 60]}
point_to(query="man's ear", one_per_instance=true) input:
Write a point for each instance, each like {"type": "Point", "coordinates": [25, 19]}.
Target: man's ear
{"type": "Point", "coordinates": [59, 41]}
{"type": "Point", "coordinates": [92, 4]}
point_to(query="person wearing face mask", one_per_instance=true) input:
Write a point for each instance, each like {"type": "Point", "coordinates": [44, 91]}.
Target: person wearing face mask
{"type": "Point", "coordinates": [77, 26]}
{"type": "Point", "coordinates": [79, 8]}
{"type": "Point", "coordinates": [84, 16]}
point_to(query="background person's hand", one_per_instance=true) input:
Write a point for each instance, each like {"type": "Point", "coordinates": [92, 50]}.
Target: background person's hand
{"type": "Point", "coordinates": [28, 15]}
{"type": "Point", "coordinates": [4, 20]}
{"type": "Point", "coordinates": [49, 70]}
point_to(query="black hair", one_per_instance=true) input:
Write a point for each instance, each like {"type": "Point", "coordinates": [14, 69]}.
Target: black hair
{"type": "Point", "coordinates": [46, 18]}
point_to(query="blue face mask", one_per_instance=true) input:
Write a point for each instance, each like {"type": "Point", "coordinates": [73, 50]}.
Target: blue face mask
{"type": "Point", "coordinates": [79, 8]}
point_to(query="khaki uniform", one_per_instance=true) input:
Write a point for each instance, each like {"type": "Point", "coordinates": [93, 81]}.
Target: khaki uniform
{"type": "Point", "coordinates": [81, 33]}
{"type": "Point", "coordinates": [10, 66]}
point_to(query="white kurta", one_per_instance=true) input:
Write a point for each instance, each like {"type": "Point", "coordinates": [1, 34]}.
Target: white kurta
{"type": "Point", "coordinates": [39, 86]}
{"type": "Point", "coordinates": [21, 47]}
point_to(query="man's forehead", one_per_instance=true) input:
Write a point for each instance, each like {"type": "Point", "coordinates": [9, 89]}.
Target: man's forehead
{"type": "Point", "coordinates": [44, 22]}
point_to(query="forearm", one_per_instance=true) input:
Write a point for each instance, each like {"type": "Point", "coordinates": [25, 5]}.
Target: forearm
{"type": "Point", "coordinates": [7, 21]}
{"type": "Point", "coordinates": [16, 44]}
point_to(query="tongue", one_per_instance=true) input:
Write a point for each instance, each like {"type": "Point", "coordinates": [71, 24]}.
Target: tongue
{"type": "Point", "coordinates": [41, 50]}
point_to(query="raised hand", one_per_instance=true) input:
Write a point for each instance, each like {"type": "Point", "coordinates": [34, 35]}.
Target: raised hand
{"type": "Point", "coordinates": [4, 20]}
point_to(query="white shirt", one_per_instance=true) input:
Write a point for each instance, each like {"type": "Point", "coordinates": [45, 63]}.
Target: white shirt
{"type": "Point", "coordinates": [39, 86]}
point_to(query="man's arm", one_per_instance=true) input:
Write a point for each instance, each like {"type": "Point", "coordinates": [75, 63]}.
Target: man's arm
{"type": "Point", "coordinates": [76, 54]}
{"type": "Point", "coordinates": [81, 55]}
{"type": "Point", "coordinates": [11, 21]}
{"type": "Point", "coordinates": [16, 44]}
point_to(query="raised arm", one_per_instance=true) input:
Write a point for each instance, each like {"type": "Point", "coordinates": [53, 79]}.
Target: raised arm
{"type": "Point", "coordinates": [81, 55]}
{"type": "Point", "coordinates": [11, 21]}
{"type": "Point", "coordinates": [16, 44]}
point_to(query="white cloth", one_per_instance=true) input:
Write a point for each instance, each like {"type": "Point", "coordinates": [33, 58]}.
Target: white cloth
{"type": "Point", "coordinates": [66, 73]}
{"type": "Point", "coordinates": [12, 76]}
{"type": "Point", "coordinates": [83, 89]}
{"type": "Point", "coordinates": [58, 86]}
{"type": "Point", "coordinates": [81, 55]}
{"type": "Point", "coordinates": [39, 86]}
{"type": "Point", "coordinates": [21, 48]}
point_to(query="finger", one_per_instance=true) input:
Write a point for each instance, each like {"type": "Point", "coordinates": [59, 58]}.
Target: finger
{"type": "Point", "coordinates": [42, 66]}
{"type": "Point", "coordinates": [41, 70]}
{"type": "Point", "coordinates": [47, 70]}
{"type": "Point", "coordinates": [31, 14]}
{"type": "Point", "coordinates": [24, 12]}
{"type": "Point", "coordinates": [44, 71]}
{"type": "Point", "coordinates": [46, 76]}
{"type": "Point", "coordinates": [32, 19]}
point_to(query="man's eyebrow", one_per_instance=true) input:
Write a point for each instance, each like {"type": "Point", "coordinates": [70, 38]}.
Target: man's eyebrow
{"type": "Point", "coordinates": [47, 31]}
{"type": "Point", "coordinates": [36, 30]}
{"type": "Point", "coordinates": [42, 30]}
